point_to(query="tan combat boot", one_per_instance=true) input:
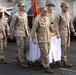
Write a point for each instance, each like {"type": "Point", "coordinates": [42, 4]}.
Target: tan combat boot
{"type": "Point", "coordinates": [66, 64]}
{"type": "Point", "coordinates": [49, 70]}
{"type": "Point", "coordinates": [58, 63]}
{"type": "Point", "coordinates": [3, 61]}
{"type": "Point", "coordinates": [18, 60]}
{"type": "Point", "coordinates": [24, 65]}
{"type": "Point", "coordinates": [37, 65]}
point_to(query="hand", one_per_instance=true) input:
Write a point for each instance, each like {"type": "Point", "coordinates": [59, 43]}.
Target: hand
{"type": "Point", "coordinates": [11, 37]}
{"type": "Point", "coordinates": [58, 36]}
{"type": "Point", "coordinates": [74, 33]}
{"type": "Point", "coordinates": [34, 42]}
{"type": "Point", "coordinates": [29, 35]}
{"type": "Point", "coordinates": [53, 34]}
{"type": "Point", "coordinates": [8, 36]}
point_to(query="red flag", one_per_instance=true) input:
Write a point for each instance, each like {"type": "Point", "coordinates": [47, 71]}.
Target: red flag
{"type": "Point", "coordinates": [35, 9]}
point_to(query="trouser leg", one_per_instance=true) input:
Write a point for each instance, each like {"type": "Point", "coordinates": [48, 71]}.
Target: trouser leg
{"type": "Point", "coordinates": [44, 49]}
{"type": "Point", "coordinates": [1, 49]}
{"type": "Point", "coordinates": [26, 45]}
{"type": "Point", "coordinates": [20, 45]}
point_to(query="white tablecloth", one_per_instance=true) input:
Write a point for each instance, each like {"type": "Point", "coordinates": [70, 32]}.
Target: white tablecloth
{"type": "Point", "coordinates": [54, 54]}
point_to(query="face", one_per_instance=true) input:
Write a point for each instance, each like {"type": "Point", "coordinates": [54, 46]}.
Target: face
{"type": "Point", "coordinates": [64, 8]}
{"type": "Point", "coordinates": [22, 8]}
{"type": "Point", "coordinates": [43, 13]}
{"type": "Point", "coordinates": [50, 10]}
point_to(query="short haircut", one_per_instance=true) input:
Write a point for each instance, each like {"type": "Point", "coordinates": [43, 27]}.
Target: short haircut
{"type": "Point", "coordinates": [62, 4]}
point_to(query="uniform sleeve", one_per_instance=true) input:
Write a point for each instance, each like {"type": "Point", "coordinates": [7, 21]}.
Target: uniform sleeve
{"type": "Point", "coordinates": [56, 23]}
{"type": "Point", "coordinates": [34, 29]}
{"type": "Point", "coordinates": [28, 25]}
{"type": "Point", "coordinates": [71, 26]}
{"type": "Point", "coordinates": [12, 25]}
{"type": "Point", "coordinates": [51, 28]}
{"type": "Point", "coordinates": [52, 19]}
{"type": "Point", "coordinates": [7, 28]}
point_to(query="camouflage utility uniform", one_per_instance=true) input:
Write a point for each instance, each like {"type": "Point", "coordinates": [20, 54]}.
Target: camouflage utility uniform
{"type": "Point", "coordinates": [4, 32]}
{"type": "Point", "coordinates": [19, 28]}
{"type": "Point", "coordinates": [42, 27]}
{"type": "Point", "coordinates": [63, 25]}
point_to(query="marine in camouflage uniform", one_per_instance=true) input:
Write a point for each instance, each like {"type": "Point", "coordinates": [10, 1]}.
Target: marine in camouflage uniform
{"type": "Point", "coordinates": [63, 25]}
{"type": "Point", "coordinates": [51, 17]}
{"type": "Point", "coordinates": [42, 28]}
{"type": "Point", "coordinates": [4, 32]}
{"type": "Point", "coordinates": [20, 29]}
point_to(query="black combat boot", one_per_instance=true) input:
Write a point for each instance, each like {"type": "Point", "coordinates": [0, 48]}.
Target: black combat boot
{"type": "Point", "coordinates": [58, 63]}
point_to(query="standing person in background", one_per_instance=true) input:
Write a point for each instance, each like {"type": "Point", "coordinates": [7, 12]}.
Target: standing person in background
{"type": "Point", "coordinates": [63, 25]}
{"type": "Point", "coordinates": [42, 28]}
{"type": "Point", "coordinates": [50, 14]}
{"type": "Point", "coordinates": [20, 29]}
{"type": "Point", "coordinates": [4, 33]}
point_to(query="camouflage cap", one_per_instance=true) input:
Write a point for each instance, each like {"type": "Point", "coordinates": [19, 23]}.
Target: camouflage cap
{"type": "Point", "coordinates": [44, 8]}
{"type": "Point", "coordinates": [21, 3]}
